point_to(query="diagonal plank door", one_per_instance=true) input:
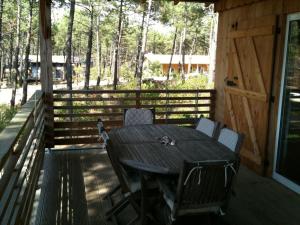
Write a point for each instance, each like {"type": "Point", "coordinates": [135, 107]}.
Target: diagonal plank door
{"type": "Point", "coordinates": [250, 68]}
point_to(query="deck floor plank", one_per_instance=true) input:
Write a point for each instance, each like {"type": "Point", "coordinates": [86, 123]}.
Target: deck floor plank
{"type": "Point", "coordinates": [75, 182]}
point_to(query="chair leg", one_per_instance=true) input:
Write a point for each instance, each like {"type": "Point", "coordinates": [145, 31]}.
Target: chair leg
{"type": "Point", "coordinates": [133, 220]}
{"type": "Point", "coordinates": [117, 208]}
{"type": "Point", "coordinates": [114, 190]}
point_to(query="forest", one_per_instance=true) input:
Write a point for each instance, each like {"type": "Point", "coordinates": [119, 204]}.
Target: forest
{"type": "Point", "coordinates": [102, 41]}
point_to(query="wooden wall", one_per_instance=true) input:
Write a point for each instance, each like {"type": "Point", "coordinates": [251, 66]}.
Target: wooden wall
{"type": "Point", "coordinates": [250, 54]}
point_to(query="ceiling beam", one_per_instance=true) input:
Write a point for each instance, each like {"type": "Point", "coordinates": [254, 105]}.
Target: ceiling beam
{"type": "Point", "coordinates": [195, 1]}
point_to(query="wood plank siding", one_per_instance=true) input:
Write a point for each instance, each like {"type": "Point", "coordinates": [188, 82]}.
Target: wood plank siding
{"type": "Point", "coordinates": [250, 53]}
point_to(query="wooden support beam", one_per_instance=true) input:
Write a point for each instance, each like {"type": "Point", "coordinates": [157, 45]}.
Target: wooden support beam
{"type": "Point", "coordinates": [260, 31]}
{"type": "Point", "coordinates": [46, 68]}
{"type": "Point", "coordinates": [247, 94]}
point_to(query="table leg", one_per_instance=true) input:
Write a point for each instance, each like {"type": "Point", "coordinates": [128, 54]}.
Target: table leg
{"type": "Point", "coordinates": [144, 209]}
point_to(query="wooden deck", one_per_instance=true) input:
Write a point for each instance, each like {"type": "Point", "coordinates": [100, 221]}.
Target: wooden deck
{"type": "Point", "coordinates": [73, 184]}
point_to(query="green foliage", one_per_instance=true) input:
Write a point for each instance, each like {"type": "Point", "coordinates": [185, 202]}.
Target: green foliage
{"type": "Point", "coordinates": [154, 69]}
{"type": "Point", "coordinates": [59, 31]}
{"type": "Point", "coordinates": [94, 73]}
{"type": "Point", "coordinates": [198, 82]}
{"type": "Point", "coordinates": [165, 17]}
{"type": "Point", "coordinates": [6, 114]}
{"type": "Point", "coordinates": [127, 72]}
{"type": "Point", "coordinates": [159, 43]}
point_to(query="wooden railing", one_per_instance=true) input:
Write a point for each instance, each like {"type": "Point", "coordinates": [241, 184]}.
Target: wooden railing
{"type": "Point", "coordinates": [76, 112]}
{"type": "Point", "coordinates": [22, 142]}
{"type": "Point", "coordinates": [21, 157]}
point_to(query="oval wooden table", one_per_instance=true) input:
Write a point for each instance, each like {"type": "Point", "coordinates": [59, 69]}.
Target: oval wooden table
{"type": "Point", "coordinates": [140, 148]}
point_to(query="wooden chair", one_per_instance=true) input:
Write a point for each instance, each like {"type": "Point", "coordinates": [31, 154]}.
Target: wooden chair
{"type": "Point", "coordinates": [135, 116]}
{"type": "Point", "coordinates": [203, 187]}
{"type": "Point", "coordinates": [231, 139]}
{"type": "Point", "coordinates": [130, 185]}
{"type": "Point", "coordinates": [207, 126]}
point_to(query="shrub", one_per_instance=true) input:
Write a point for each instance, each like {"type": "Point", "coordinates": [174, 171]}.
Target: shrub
{"type": "Point", "coordinates": [6, 114]}
{"type": "Point", "coordinates": [153, 69]}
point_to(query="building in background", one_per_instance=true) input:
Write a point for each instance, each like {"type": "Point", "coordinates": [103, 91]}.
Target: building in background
{"type": "Point", "coordinates": [192, 63]}
{"type": "Point", "coordinates": [58, 62]}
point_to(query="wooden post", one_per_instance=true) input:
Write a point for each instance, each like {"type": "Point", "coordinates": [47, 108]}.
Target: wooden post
{"type": "Point", "coordinates": [138, 99]}
{"type": "Point", "coordinates": [46, 69]}
{"type": "Point", "coordinates": [212, 104]}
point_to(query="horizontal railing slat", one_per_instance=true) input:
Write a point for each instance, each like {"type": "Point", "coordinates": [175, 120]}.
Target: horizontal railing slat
{"type": "Point", "coordinates": [132, 91]}
{"type": "Point", "coordinates": [74, 141]}
{"type": "Point", "coordinates": [76, 116]}
{"type": "Point", "coordinates": [131, 106]}
{"type": "Point", "coordinates": [92, 124]}
{"type": "Point", "coordinates": [116, 114]}
{"type": "Point", "coordinates": [129, 99]}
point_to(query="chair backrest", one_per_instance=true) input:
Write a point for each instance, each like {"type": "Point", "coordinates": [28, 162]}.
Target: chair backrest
{"type": "Point", "coordinates": [204, 186]}
{"type": "Point", "coordinates": [135, 116]}
{"type": "Point", "coordinates": [231, 139]}
{"type": "Point", "coordinates": [207, 126]}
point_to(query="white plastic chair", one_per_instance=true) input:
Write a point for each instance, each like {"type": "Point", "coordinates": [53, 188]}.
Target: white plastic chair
{"type": "Point", "coordinates": [230, 139]}
{"type": "Point", "coordinates": [207, 126]}
{"type": "Point", "coordinates": [138, 116]}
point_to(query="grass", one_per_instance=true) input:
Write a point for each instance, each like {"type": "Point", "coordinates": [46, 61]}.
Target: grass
{"type": "Point", "coordinates": [6, 114]}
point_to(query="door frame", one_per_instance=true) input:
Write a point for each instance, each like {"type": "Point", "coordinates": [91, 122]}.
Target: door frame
{"type": "Point", "coordinates": [278, 177]}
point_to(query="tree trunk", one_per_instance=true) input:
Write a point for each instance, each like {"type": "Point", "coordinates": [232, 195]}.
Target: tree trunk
{"type": "Point", "coordinates": [11, 50]}
{"type": "Point", "coordinates": [143, 49]}
{"type": "Point", "coordinates": [212, 47]}
{"type": "Point", "coordinates": [191, 53]}
{"type": "Point", "coordinates": [98, 53]}
{"type": "Point", "coordinates": [182, 46]}
{"type": "Point", "coordinates": [154, 44]}
{"type": "Point", "coordinates": [16, 61]}
{"type": "Point", "coordinates": [89, 50]}
{"type": "Point", "coordinates": [182, 54]}
{"type": "Point", "coordinates": [138, 55]}
{"type": "Point", "coordinates": [21, 60]}
{"type": "Point", "coordinates": [104, 67]}
{"type": "Point", "coordinates": [1, 51]}
{"type": "Point", "coordinates": [117, 46]}
{"type": "Point", "coordinates": [27, 52]}
{"type": "Point", "coordinates": [37, 57]}
{"type": "Point", "coordinates": [111, 60]}
{"type": "Point", "coordinates": [2, 66]}
{"type": "Point", "coordinates": [173, 51]}
{"type": "Point", "coordinates": [68, 48]}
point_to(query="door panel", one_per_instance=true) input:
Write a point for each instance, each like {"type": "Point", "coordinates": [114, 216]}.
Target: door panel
{"type": "Point", "coordinates": [249, 85]}
{"type": "Point", "coordinates": [288, 132]}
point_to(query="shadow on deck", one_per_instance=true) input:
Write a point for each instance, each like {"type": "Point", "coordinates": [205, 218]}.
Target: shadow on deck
{"type": "Point", "coordinates": [73, 185]}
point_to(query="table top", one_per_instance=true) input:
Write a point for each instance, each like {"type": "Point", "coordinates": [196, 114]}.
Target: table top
{"type": "Point", "coordinates": [140, 147]}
